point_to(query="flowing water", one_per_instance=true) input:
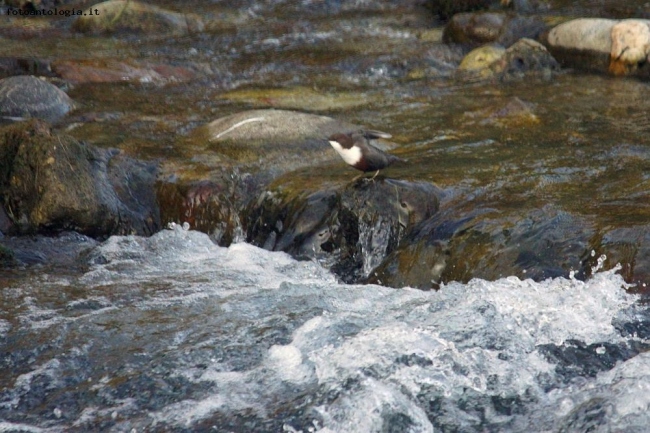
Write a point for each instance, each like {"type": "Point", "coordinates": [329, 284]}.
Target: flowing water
{"type": "Point", "coordinates": [174, 333]}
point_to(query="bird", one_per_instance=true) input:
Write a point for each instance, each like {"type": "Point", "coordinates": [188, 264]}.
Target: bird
{"type": "Point", "coordinates": [356, 150]}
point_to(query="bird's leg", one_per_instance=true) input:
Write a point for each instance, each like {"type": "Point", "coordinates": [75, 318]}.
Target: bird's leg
{"type": "Point", "coordinates": [373, 178]}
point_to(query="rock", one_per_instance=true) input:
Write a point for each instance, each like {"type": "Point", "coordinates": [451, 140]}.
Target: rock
{"type": "Point", "coordinates": [116, 16]}
{"type": "Point", "coordinates": [524, 59]}
{"type": "Point", "coordinates": [476, 65]}
{"type": "Point", "coordinates": [514, 114]}
{"type": "Point", "coordinates": [7, 257]}
{"type": "Point", "coordinates": [27, 96]}
{"type": "Point", "coordinates": [455, 245]}
{"type": "Point", "coordinates": [584, 43]}
{"type": "Point", "coordinates": [445, 9]}
{"type": "Point", "coordinates": [480, 28]}
{"type": "Point", "coordinates": [629, 246]}
{"type": "Point", "coordinates": [63, 250]}
{"type": "Point", "coordinates": [52, 183]}
{"type": "Point", "coordinates": [349, 230]}
{"type": "Point", "coordinates": [107, 71]}
{"type": "Point", "coordinates": [630, 46]}
{"type": "Point", "coordinates": [279, 140]}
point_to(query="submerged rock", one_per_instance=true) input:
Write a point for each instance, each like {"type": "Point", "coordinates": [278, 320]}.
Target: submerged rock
{"type": "Point", "coordinates": [107, 71]}
{"type": "Point", "coordinates": [26, 96]}
{"type": "Point", "coordinates": [131, 16]}
{"type": "Point", "coordinates": [50, 183]}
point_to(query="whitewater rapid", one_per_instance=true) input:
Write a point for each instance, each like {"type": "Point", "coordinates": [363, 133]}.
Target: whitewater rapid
{"type": "Point", "coordinates": [174, 333]}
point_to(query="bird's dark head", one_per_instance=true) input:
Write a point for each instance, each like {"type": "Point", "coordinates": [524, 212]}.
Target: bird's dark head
{"type": "Point", "coordinates": [345, 140]}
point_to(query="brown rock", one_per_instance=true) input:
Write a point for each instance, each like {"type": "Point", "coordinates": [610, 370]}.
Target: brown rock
{"type": "Point", "coordinates": [131, 16]}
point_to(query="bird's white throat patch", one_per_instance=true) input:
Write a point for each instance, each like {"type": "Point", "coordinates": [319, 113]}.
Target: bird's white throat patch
{"type": "Point", "coordinates": [351, 156]}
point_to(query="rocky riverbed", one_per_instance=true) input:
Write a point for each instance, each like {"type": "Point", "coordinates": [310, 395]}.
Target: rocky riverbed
{"type": "Point", "coordinates": [528, 157]}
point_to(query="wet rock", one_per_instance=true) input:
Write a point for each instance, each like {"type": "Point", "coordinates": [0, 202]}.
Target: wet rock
{"type": "Point", "coordinates": [456, 245]}
{"type": "Point", "coordinates": [27, 96]}
{"type": "Point", "coordinates": [515, 113]}
{"type": "Point", "coordinates": [584, 43]}
{"type": "Point", "coordinates": [107, 71]}
{"type": "Point", "coordinates": [62, 250]}
{"type": "Point", "coordinates": [234, 159]}
{"type": "Point", "coordinates": [349, 230]}
{"type": "Point", "coordinates": [474, 29]}
{"type": "Point", "coordinates": [602, 45]}
{"type": "Point", "coordinates": [7, 257]}
{"type": "Point", "coordinates": [51, 183]}
{"type": "Point", "coordinates": [445, 9]}
{"type": "Point", "coordinates": [629, 246]}
{"type": "Point", "coordinates": [476, 64]}
{"type": "Point", "coordinates": [116, 16]}
{"type": "Point", "coordinates": [524, 59]}
{"type": "Point", "coordinates": [630, 46]}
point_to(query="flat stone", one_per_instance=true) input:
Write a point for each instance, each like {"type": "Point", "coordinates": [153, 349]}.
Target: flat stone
{"type": "Point", "coordinates": [26, 96]}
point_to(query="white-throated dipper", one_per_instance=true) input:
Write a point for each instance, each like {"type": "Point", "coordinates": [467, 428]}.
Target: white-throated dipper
{"type": "Point", "coordinates": [356, 150]}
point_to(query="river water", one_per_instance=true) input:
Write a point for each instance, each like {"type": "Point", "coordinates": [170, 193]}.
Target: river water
{"type": "Point", "coordinates": [174, 333]}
